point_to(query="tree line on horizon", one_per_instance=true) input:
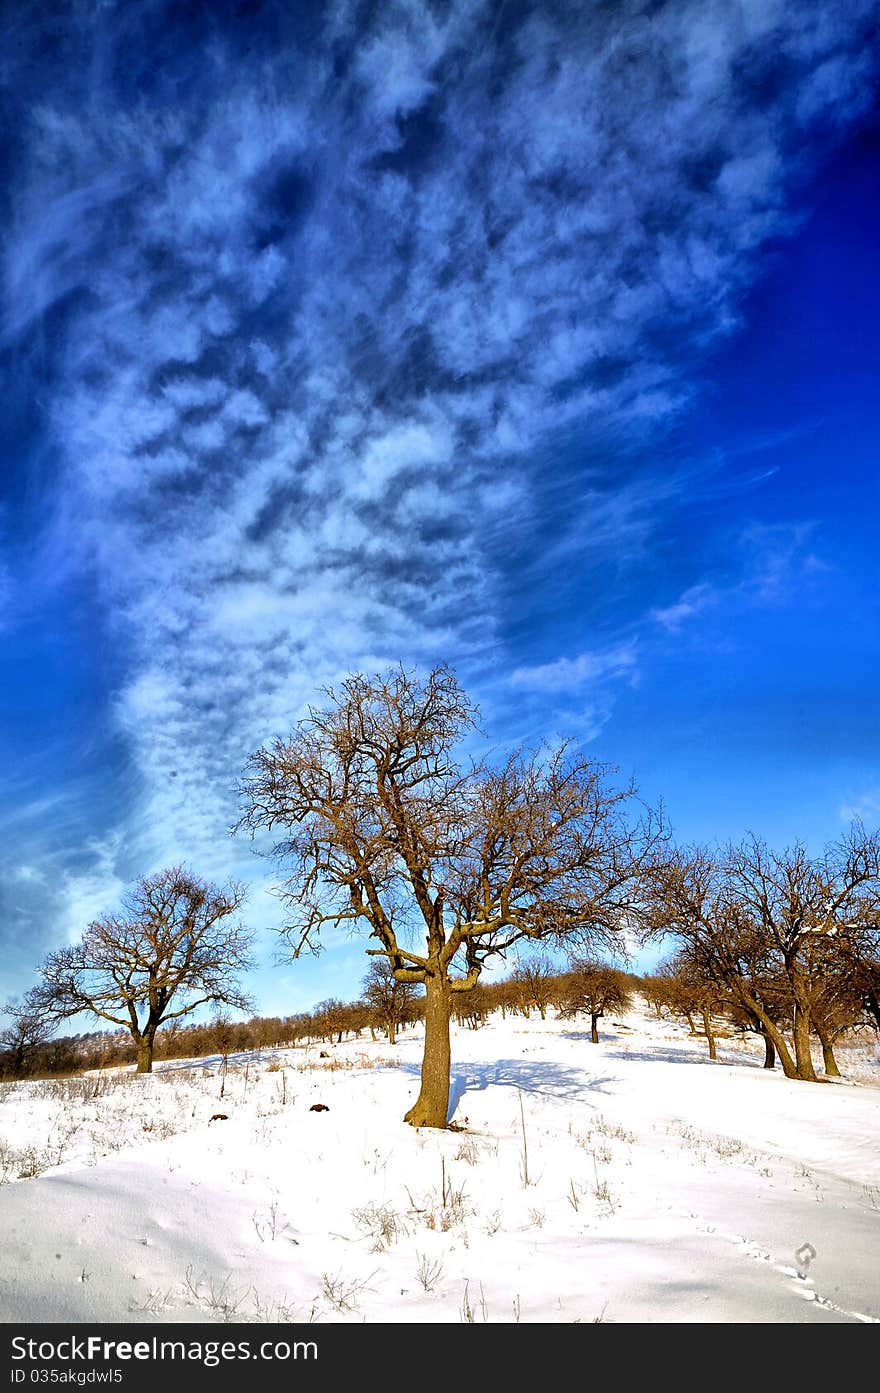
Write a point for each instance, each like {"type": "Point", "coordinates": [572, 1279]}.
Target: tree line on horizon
{"type": "Point", "coordinates": [592, 990]}
{"type": "Point", "coordinates": [448, 863]}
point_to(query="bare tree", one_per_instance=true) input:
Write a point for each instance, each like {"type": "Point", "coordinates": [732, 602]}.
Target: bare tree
{"type": "Point", "coordinates": [836, 993]}
{"type": "Point", "coordinates": [29, 1030]}
{"type": "Point", "coordinates": [334, 1019]}
{"type": "Point", "coordinates": [692, 992]}
{"type": "Point", "coordinates": [657, 993]}
{"type": "Point", "coordinates": [472, 1007]}
{"type": "Point", "coordinates": [593, 988]}
{"type": "Point", "coordinates": [221, 1037]}
{"type": "Point", "coordinates": [866, 981]}
{"type": "Point", "coordinates": [443, 864]}
{"type": "Point", "coordinates": [771, 991]}
{"type": "Point", "coordinates": [750, 916]}
{"type": "Point", "coordinates": [173, 949]}
{"type": "Point", "coordinates": [872, 998]}
{"type": "Point", "coordinates": [390, 1001]}
{"type": "Point", "coordinates": [534, 977]}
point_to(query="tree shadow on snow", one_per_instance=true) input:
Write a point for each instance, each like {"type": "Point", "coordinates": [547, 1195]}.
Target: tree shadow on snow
{"type": "Point", "coordinates": [212, 1063]}
{"type": "Point", "coordinates": [584, 1035]}
{"type": "Point", "coordinates": [529, 1076]}
{"type": "Point", "coordinates": [660, 1055]}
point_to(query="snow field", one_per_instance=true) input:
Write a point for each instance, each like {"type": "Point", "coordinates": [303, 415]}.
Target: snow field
{"type": "Point", "coordinates": [632, 1180]}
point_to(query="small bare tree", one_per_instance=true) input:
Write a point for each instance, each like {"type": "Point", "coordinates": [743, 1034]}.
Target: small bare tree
{"type": "Point", "coordinates": [692, 992]}
{"type": "Point", "coordinates": [222, 1039]}
{"type": "Point", "coordinates": [333, 1019]}
{"type": "Point", "coordinates": [534, 976]}
{"type": "Point", "coordinates": [173, 949]}
{"type": "Point", "coordinates": [390, 1001]}
{"type": "Point", "coordinates": [594, 988]}
{"type": "Point", "coordinates": [657, 993]}
{"type": "Point", "coordinates": [20, 1040]}
{"type": "Point", "coordinates": [443, 863]}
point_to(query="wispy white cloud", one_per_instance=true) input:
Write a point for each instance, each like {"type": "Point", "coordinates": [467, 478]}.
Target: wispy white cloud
{"type": "Point", "coordinates": [862, 807]}
{"type": "Point", "coordinates": [769, 564]}
{"type": "Point", "coordinates": [694, 601]}
{"type": "Point", "coordinates": [313, 326]}
{"type": "Point", "coordinates": [571, 675]}
{"type": "Point", "coordinates": [95, 890]}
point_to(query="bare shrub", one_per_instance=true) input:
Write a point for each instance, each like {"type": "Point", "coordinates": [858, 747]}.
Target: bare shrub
{"type": "Point", "coordinates": [428, 1270]}
{"type": "Point", "coordinates": [381, 1223]}
{"type": "Point", "coordinates": [218, 1297]}
{"type": "Point", "coordinates": [602, 1191]}
{"type": "Point", "coordinates": [160, 1128]}
{"type": "Point", "coordinates": [468, 1315]}
{"type": "Point", "coordinates": [267, 1224]}
{"type": "Point", "coordinates": [469, 1150]}
{"type": "Point", "coordinates": [343, 1292]}
{"type": "Point", "coordinates": [442, 1212]}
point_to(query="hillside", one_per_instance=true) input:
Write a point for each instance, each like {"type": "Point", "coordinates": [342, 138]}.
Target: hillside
{"type": "Point", "coordinates": [629, 1181]}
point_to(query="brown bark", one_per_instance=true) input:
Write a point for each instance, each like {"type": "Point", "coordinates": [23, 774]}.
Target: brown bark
{"type": "Point", "coordinates": [770, 1030]}
{"type": "Point", "coordinates": [829, 1063]}
{"type": "Point", "coordinates": [145, 1043]}
{"type": "Point", "coordinates": [769, 1052]}
{"type": "Point", "coordinates": [801, 1031]}
{"type": "Point", "coordinates": [432, 1105]}
{"type": "Point", "coordinates": [707, 1031]}
{"type": "Point", "coordinates": [594, 1028]}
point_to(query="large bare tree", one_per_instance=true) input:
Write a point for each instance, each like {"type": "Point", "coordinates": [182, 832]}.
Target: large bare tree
{"type": "Point", "coordinates": [442, 862]}
{"type": "Point", "coordinates": [174, 947]}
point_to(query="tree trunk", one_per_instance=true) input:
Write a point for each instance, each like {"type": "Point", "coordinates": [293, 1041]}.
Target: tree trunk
{"type": "Point", "coordinates": [769, 1027]}
{"type": "Point", "coordinates": [829, 1063]}
{"type": "Point", "coordinates": [594, 1027]}
{"type": "Point", "coordinates": [872, 1002]}
{"type": "Point", "coordinates": [392, 1032]}
{"type": "Point", "coordinates": [707, 1029]}
{"type": "Point", "coordinates": [145, 1051]}
{"type": "Point", "coordinates": [432, 1105]}
{"type": "Point", "coordinates": [769, 1051]}
{"type": "Point", "coordinates": [802, 1052]}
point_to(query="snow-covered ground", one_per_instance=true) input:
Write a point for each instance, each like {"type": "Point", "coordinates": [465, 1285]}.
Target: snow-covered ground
{"type": "Point", "coordinates": [630, 1181]}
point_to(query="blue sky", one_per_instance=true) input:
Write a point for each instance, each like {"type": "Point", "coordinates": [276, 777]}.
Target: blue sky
{"type": "Point", "coordinates": [538, 339]}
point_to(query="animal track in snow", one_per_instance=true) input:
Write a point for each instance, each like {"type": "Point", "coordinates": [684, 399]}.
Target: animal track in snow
{"type": "Point", "coordinates": [800, 1283]}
